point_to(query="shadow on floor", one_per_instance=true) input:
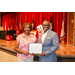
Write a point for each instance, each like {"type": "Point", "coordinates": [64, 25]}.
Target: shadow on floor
{"type": "Point", "coordinates": [59, 58]}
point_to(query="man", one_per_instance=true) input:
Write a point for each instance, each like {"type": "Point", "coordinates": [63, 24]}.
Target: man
{"type": "Point", "coordinates": [50, 42]}
{"type": "Point", "coordinates": [50, 26]}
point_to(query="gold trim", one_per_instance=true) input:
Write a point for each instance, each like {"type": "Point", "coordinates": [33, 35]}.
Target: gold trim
{"type": "Point", "coordinates": [68, 29]}
{"type": "Point", "coordinates": [74, 30]}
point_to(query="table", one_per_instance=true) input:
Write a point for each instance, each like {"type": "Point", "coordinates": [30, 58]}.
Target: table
{"type": "Point", "coordinates": [3, 33]}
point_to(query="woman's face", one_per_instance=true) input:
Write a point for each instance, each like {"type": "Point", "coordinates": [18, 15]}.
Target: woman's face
{"type": "Point", "coordinates": [27, 29]}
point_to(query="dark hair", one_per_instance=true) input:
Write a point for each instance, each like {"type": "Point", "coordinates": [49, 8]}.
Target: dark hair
{"type": "Point", "coordinates": [26, 24]}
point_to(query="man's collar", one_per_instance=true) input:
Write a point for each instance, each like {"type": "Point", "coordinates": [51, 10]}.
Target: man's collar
{"type": "Point", "coordinates": [46, 31]}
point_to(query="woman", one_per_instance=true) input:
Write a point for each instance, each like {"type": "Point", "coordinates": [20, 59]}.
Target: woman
{"type": "Point", "coordinates": [22, 42]}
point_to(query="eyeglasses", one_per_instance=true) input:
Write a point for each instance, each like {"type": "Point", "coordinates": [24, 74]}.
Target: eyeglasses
{"type": "Point", "coordinates": [45, 24]}
{"type": "Point", "coordinates": [27, 27]}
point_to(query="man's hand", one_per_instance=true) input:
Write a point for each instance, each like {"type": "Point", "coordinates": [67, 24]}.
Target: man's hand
{"type": "Point", "coordinates": [43, 53]}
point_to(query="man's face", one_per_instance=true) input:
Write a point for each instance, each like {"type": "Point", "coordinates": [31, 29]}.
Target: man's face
{"type": "Point", "coordinates": [45, 26]}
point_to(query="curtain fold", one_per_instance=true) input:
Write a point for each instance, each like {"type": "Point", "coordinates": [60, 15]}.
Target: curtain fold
{"type": "Point", "coordinates": [38, 18]}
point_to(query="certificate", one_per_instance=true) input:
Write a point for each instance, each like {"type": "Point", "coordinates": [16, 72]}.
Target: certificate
{"type": "Point", "coordinates": [35, 48]}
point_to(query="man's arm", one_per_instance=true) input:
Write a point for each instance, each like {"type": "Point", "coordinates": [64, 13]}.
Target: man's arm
{"type": "Point", "coordinates": [54, 47]}
{"type": "Point", "coordinates": [39, 39]}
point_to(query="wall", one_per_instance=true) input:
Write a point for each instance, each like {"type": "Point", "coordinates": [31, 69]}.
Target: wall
{"type": "Point", "coordinates": [1, 28]}
{"type": "Point", "coordinates": [71, 24]}
{"type": "Point", "coordinates": [0, 18]}
{"type": "Point", "coordinates": [71, 28]}
{"type": "Point", "coordinates": [74, 31]}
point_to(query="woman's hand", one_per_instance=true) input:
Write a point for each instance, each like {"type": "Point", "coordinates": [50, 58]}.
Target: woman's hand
{"type": "Point", "coordinates": [35, 54]}
{"type": "Point", "coordinates": [43, 54]}
{"type": "Point", "coordinates": [39, 42]}
{"type": "Point", "coordinates": [26, 53]}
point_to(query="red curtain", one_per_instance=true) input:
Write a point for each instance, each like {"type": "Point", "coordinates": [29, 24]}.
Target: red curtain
{"type": "Point", "coordinates": [38, 18]}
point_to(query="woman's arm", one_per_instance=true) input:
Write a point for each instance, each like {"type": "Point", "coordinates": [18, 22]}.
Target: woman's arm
{"type": "Point", "coordinates": [16, 48]}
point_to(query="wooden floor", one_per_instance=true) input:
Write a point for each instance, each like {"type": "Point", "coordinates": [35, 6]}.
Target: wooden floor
{"type": "Point", "coordinates": [64, 48]}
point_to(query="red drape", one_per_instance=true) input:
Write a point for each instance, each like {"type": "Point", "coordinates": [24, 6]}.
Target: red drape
{"type": "Point", "coordinates": [38, 18]}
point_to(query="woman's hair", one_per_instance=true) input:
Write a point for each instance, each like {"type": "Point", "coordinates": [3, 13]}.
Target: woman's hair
{"type": "Point", "coordinates": [27, 24]}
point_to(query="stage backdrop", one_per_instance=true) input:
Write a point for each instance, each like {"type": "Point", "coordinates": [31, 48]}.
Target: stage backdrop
{"type": "Point", "coordinates": [14, 20]}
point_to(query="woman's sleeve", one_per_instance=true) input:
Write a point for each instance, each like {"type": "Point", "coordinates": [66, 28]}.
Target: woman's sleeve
{"type": "Point", "coordinates": [18, 39]}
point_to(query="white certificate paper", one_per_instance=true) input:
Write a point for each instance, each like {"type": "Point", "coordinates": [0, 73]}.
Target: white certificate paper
{"type": "Point", "coordinates": [35, 48]}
